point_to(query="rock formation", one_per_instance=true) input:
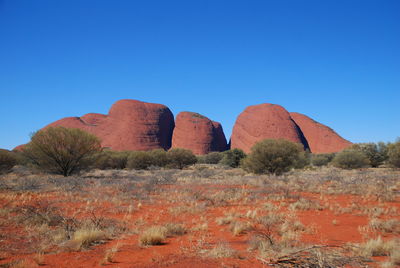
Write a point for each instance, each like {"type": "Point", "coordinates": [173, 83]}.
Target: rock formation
{"type": "Point", "coordinates": [198, 134]}
{"type": "Point", "coordinates": [136, 125]}
{"type": "Point", "coordinates": [264, 121]}
{"type": "Point", "coordinates": [321, 138]}
{"type": "Point", "coordinates": [130, 125]}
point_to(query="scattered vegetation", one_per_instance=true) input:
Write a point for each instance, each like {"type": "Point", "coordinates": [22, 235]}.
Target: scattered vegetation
{"type": "Point", "coordinates": [394, 154]}
{"type": "Point", "coordinates": [350, 159]}
{"type": "Point", "coordinates": [273, 156]}
{"type": "Point", "coordinates": [62, 150]}
{"type": "Point", "coordinates": [111, 160]}
{"type": "Point", "coordinates": [7, 161]}
{"type": "Point", "coordinates": [180, 158]}
{"type": "Point", "coordinates": [232, 157]}
{"type": "Point", "coordinates": [320, 160]}
{"type": "Point", "coordinates": [210, 158]}
{"type": "Point", "coordinates": [376, 153]}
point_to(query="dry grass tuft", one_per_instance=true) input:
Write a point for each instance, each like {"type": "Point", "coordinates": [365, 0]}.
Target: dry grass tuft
{"type": "Point", "coordinates": [389, 226]}
{"type": "Point", "coordinates": [378, 247]}
{"type": "Point", "coordinates": [222, 250]}
{"type": "Point", "coordinates": [154, 235]}
{"type": "Point", "coordinates": [85, 237]}
{"type": "Point", "coordinates": [174, 229]}
{"type": "Point", "coordinates": [238, 227]}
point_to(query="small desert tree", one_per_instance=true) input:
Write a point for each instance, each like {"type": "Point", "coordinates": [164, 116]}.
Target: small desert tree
{"type": "Point", "coordinates": [273, 156]}
{"type": "Point", "coordinates": [7, 161]}
{"type": "Point", "coordinates": [62, 150]}
{"type": "Point", "coordinates": [139, 160]}
{"type": "Point", "coordinates": [377, 153]}
{"type": "Point", "coordinates": [111, 160]}
{"type": "Point", "coordinates": [210, 158]}
{"type": "Point", "coordinates": [159, 157]}
{"type": "Point", "coordinates": [320, 160]}
{"type": "Point", "coordinates": [350, 159]}
{"type": "Point", "coordinates": [232, 157]}
{"type": "Point", "coordinates": [180, 158]}
{"type": "Point", "coordinates": [394, 154]}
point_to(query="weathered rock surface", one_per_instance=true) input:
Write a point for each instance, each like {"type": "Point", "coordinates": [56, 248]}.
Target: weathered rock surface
{"type": "Point", "coordinates": [198, 134]}
{"type": "Point", "coordinates": [321, 138]}
{"type": "Point", "coordinates": [264, 121]}
{"type": "Point", "coordinates": [130, 125]}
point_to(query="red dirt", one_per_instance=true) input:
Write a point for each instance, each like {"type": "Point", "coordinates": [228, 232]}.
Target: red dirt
{"type": "Point", "coordinates": [183, 251]}
{"type": "Point", "coordinates": [198, 134]}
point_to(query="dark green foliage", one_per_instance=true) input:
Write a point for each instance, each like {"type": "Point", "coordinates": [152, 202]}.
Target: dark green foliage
{"type": "Point", "coordinates": [377, 153]}
{"type": "Point", "coordinates": [394, 154]}
{"type": "Point", "coordinates": [159, 157]}
{"type": "Point", "coordinates": [7, 161]}
{"type": "Point", "coordinates": [139, 160]}
{"type": "Point", "coordinates": [320, 160]}
{"type": "Point", "coordinates": [350, 159]}
{"type": "Point", "coordinates": [304, 160]}
{"type": "Point", "coordinates": [111, 160]}
{"type": "Point", "coordinates": [62, 150]}
{"type": "Point", "coordinates": [180, 158]}
{"type": "Point", "coordinates": [210, 158]}
{"type": "Point", "coordinates": [232, 157]}
{"type": "Point", "coordinates": [273, 156]}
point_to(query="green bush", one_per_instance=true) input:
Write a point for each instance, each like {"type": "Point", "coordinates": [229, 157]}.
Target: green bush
{"type": "Point", "coordinates": [210, 158]}
{"type": "Point", "coordinates": [139, 160]}
{"type": "Point", "coordinates": [232, 157]}
{"type": "Point", "coordinates": [273, 156]}
{"type": "Point", "coordinates": [111, 160]}
{"type": "Point", "coordinates": [377, 153]}
{"type": "Point", "coordinates": [159, 157]}
{"type": "Point", "coordinates": [7, 161]}
{"type": "Point", "coordinates": [394, 154]}
{"type": "Point", "coordinates": [62, 150]}
{"type": "Point", "coordinates": [180, 158]}
{"type": "Point", "coordinates": [304, 160]}
{"type": "Point", "coordinates": [350, 159]}
{"type": "Point", "coordinates": [320, 160]}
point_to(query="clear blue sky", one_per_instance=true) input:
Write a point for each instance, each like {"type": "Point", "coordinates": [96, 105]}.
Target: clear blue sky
{"type": "Point", "coordinates": [337, 61]}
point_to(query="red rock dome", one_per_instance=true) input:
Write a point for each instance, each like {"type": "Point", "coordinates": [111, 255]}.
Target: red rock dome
{"type": "Point", "coordinates": [264, 121]}
{"type": "Point", "coordinates": [198, 134]}
{"type": "Point", "coordinates": [130, 125]}
{"type": "Point", "coordinates": [321, 138]}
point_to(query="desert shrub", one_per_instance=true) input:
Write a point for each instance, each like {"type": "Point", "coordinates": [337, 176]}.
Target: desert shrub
{"type": "Point", "coordinates": [232, 157]}
{"type": "Point", "coordinates": [111, 160]}
{"type": "Point", "coordinates": [210, 158]}
{"type": "Point", "coordinates": [62, 150]}
{"type": "Point", "coordinates": [7, 161]}
{"type": "Point", "coordinates": [139, 160]}
{"type": "Point", "coordinates": [180, 158]}
{"type": "Point", "coordinates": [303, 160]}
{"type": "Point", "coordinates": [377, 153]}
{"type": "Point", "coordinates": [273, 156]}
{"type": "Point", "coordinates": [320, 160]}
{"type": "Point", "coordinates": [159, 157]}
{"type": "Point", "coordinates": [394, 154]}
{"type": "Point", "coordinates": [350, 159]}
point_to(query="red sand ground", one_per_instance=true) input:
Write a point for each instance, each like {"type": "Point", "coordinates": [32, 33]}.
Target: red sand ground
{"type": "Point", "coordinates": [182, 251]}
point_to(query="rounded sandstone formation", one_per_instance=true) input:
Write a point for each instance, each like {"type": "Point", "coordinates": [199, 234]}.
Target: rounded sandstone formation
{"type": "Point", "coordinates": [264, 121]}
{"type": "Point", "coordinates": [130, 125]}
{"type": "Point", "coordinates": [136, 125]}
{"type": "Point", "coordinates": [198, 134]}
{"type": "Point", "coordinates": [321, 138]}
